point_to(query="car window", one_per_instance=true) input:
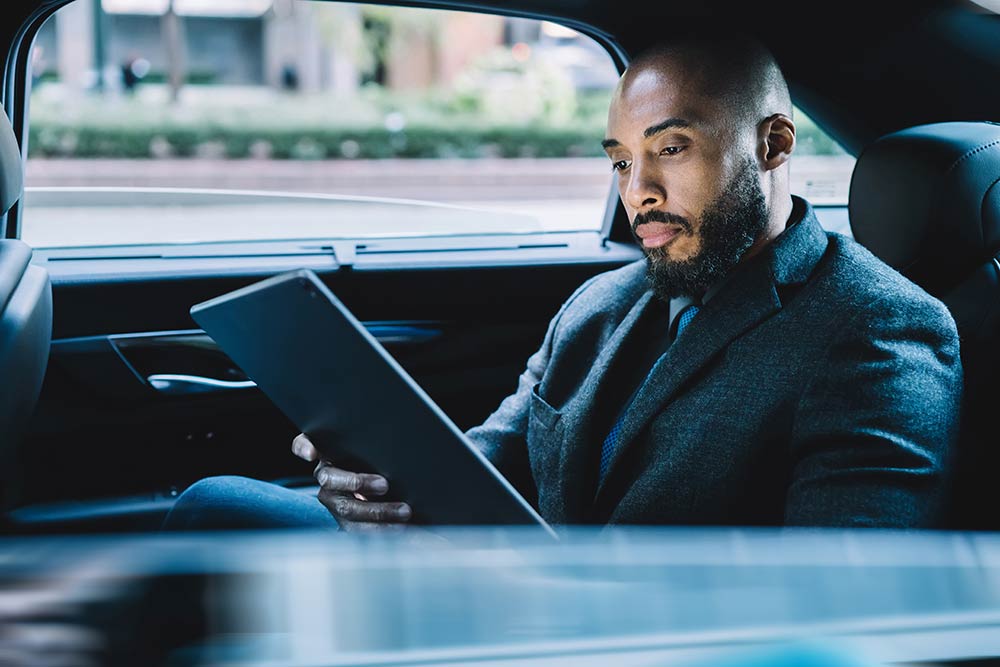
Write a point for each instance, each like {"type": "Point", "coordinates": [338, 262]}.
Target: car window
{"type": "Point", "coordinates": [187, 122]}
{"type": "Point", "coordinates": [820, 169]}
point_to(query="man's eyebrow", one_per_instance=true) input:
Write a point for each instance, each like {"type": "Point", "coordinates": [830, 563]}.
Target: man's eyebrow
{"type": "Point", "coordinates": [665, 125]}
{"type": "Point", "coordinates": [650, 131]}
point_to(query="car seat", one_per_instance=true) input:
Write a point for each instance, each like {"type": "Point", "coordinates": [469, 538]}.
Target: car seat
{"type": "Point", "coordinates": [926, 200]}
{"type": "Point", "coordinates": [25, 321]}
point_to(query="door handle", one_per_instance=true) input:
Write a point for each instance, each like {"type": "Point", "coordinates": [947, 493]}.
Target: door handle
{"type": "Point", "coordinates": [182, 385]}
{"type": "Point", "coordinates": [402, 334]}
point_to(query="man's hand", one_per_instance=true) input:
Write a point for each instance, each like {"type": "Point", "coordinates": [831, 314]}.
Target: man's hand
{"type": "Point", "coordinates": [346, 494]}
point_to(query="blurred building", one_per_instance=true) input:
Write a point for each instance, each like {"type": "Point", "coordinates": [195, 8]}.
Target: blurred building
{"type": "Point", "coordinates": [308, 46]}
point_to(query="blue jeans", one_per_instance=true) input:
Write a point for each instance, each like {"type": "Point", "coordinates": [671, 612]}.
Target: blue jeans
{"type": "Point", "coordinates": [241, 503]}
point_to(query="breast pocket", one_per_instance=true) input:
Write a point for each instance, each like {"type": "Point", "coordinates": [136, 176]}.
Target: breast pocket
{"type": "Point", "coordinates": [545, 436]}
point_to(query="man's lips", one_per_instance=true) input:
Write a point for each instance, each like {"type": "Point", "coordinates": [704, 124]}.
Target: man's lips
{"type": "Point", "coordinates": [656, 234]}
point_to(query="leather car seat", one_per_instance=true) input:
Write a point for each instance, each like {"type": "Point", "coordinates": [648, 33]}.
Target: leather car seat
{"type": "Point", "coordinates": [25, 321]}
{"type": "Point", "coordinates": [926, 200]}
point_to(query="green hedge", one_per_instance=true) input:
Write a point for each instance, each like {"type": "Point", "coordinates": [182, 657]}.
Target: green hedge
{"type": "Point", "coordinates": [129, 131]}
{"type": "Point", "coordinates": [313, 143]}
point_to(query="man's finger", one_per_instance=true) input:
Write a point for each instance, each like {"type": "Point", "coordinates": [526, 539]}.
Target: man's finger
{"type": "Point", "coordinates": [352, 509]}
{"type": "Point", "coordinates": [303, 448]}
{"type": "Point", "coordinates": [346, 482]}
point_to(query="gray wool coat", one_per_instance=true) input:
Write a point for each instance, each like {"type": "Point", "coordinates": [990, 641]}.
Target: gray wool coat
{"type": "Point", "coordinates": [817, 387]}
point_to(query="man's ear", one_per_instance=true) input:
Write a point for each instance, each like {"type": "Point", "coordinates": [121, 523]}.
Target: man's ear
{"type": "Point", "coordinates": [777, 134]}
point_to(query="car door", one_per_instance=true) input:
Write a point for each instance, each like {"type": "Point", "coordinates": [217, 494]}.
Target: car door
{"type": "Point", "coordinates": [443, 176]}
{"type": "Point", "coordinates": [137, 402]}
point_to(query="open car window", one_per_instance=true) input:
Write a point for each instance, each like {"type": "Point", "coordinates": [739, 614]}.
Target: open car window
{"type": "Point", "coordinates": [343, 114]}
{"type": "Point", "coordinates": [266, 121]}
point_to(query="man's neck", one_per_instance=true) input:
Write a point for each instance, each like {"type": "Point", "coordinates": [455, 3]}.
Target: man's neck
{"type": "Point", "coordinates": [779, 217]}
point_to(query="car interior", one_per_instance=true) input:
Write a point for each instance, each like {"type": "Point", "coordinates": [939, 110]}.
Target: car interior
{"type": "Point", "coordinates": [25, 320]}
{"type": "Point", "coordinates": [105, 448]}
{"type": "Point", "coordinates": [907, 187]}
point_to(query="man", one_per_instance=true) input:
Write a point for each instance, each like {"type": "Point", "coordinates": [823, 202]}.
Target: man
{"type": "Point", "coordinates": [752, 369]}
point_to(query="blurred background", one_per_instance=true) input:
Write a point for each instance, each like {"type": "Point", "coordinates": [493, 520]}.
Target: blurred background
{"type": "Point", "coordinates": [492, 112]}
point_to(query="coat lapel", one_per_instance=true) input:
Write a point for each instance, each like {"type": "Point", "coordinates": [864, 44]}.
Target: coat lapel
{"type": "Point", "coordinates": [734, 310]}
{"type": "Point", "coordinates": [578, 457]}
{"type": "Point", "coordinates": [749, 297]}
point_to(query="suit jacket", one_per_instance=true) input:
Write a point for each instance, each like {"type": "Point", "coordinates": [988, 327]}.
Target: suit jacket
{"type": "Point", "coordinates": [818, 386]}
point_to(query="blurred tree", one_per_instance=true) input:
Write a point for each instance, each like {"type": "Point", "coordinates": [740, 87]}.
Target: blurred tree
{"type": "Point", "coordinates": [341, 33]}
{"type": "Point", "coordinates": [393, 32]}
{"type": "Point", "coordinates": [502, 88]}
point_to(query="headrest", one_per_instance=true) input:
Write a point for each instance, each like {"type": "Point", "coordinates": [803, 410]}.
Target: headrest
{"type": "Point", "coordinates": [11, 171]}
{"type": "Point", "coordinates": [926, 201]}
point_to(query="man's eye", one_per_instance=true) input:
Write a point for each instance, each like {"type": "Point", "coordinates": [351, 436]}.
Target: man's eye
{"type": "Point", "coordinates": [620, 165]}
{"type": "Point", "coordinates": [671, 150]}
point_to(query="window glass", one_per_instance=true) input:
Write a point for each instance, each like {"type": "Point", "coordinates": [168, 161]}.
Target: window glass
{"type": "Point", "coordinates": [183, 122]}
{"type": "Point", "coordinates": [499, 120]}
{"type": "Point", "coordinates": [820, 170]}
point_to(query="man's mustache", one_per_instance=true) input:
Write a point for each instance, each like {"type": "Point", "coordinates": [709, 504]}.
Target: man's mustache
{"type": "Point", "coordinates": [661, 216]}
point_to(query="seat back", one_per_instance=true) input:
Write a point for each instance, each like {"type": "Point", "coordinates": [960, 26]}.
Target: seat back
{"type": "Point", "coordinates": [25, 322]}
{"type": "Point", "coordinates": [926, 200]}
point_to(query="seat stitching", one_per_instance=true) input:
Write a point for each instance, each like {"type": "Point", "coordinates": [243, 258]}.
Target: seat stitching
{"type": "Point", "coordinates": [973, 152]}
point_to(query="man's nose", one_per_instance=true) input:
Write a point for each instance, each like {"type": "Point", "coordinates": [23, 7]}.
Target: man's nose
{"type": "Point", "coordinates": [644, 189]}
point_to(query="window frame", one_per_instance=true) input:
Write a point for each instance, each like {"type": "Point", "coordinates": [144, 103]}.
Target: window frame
{"type": "Point", "coordinates": [16, 94]}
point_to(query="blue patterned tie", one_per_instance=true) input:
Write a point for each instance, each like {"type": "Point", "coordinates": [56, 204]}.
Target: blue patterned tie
{"type": "Point", "coordinates": [611, 442]}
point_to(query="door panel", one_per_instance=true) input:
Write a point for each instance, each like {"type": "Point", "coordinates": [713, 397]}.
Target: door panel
{"type": "Point", "coordinates": [108, 449]}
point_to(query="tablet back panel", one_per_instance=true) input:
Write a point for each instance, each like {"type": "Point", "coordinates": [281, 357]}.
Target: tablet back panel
{"type": "Point", "coordinates": [335, 382]}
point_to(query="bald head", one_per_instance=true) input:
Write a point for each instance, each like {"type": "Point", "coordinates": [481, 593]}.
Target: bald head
{"type": "Point", "coordinates": [734, 73]}
{"type": "Point", "coordinates": [699, 134]}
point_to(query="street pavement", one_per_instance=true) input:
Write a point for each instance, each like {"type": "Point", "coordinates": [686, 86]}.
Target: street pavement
{"type": "Point", "coordinates": [522, 194]}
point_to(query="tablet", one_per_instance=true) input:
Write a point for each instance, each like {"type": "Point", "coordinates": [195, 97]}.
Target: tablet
{"type": "Point", "coordinates": [334, 381]}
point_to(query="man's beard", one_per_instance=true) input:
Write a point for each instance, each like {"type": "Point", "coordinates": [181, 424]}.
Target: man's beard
{"type": "Point", "coordinates": [729, 227]}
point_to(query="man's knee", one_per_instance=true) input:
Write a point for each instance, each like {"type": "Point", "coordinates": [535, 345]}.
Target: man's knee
{"type": "Point", "coordinates": [217, 490]}
{"type": "Point", "coordinates": [232, 502]}
{"type": "Point", "coordinates": [213, 502]}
